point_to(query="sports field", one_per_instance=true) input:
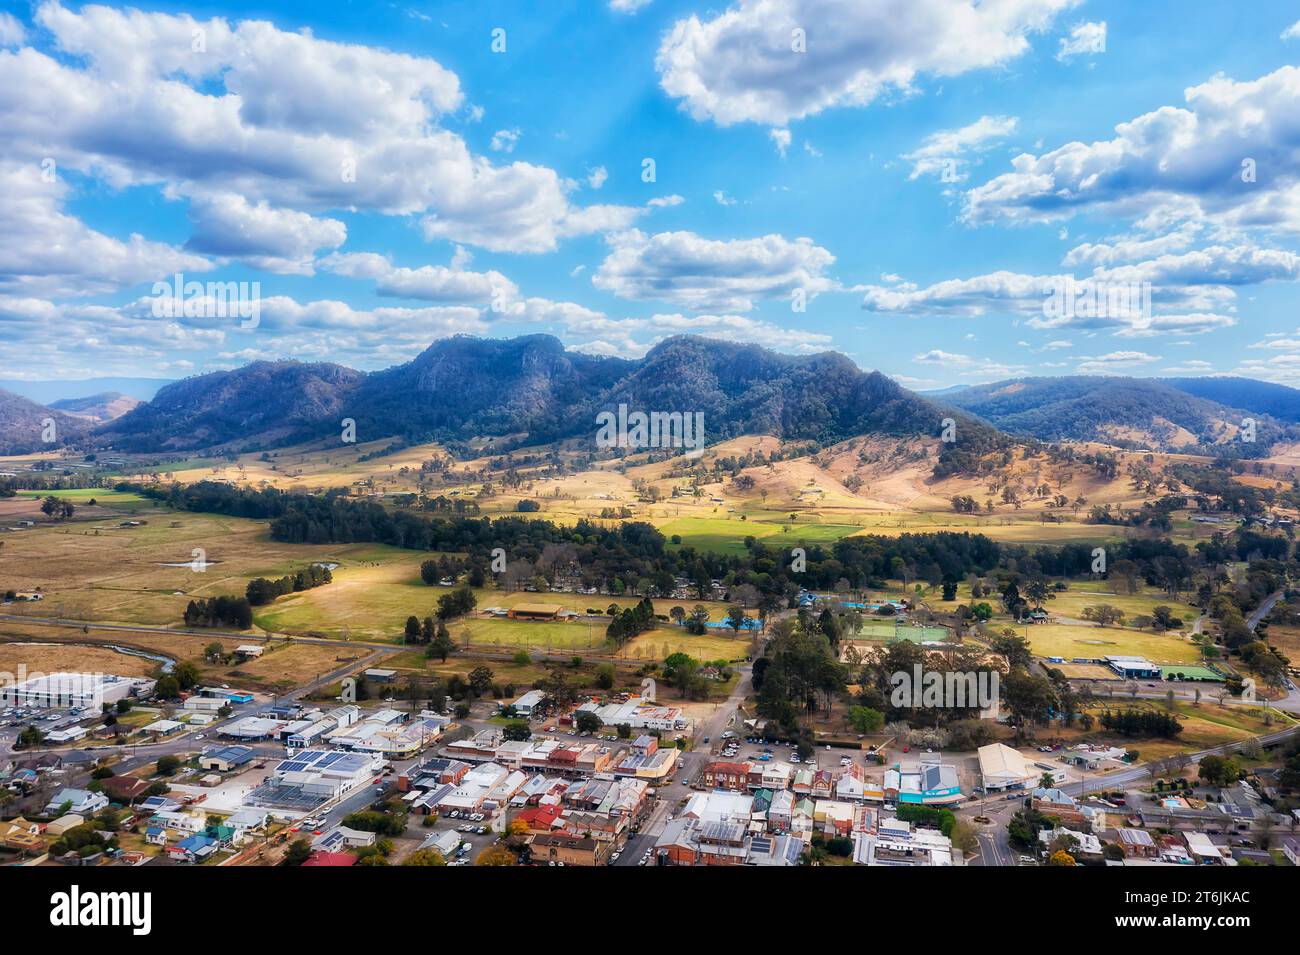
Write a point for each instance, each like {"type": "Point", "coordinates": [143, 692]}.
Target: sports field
{"type": "Point", "coordinates": [1070, 642]}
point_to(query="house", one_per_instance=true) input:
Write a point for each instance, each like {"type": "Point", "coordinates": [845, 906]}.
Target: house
{"type": "Point", "coordinates": [193, 849]}
{"type": "Point", "coordinates": [1055, 802]}
{"type": "Point", "coordinates": [332, 859]}
{"type": "Point", "coordinates": [1205, 852]}
{"type": "Point", "coordinates": [81, 801]}
{"type": "Point", "coordinates": [341, 837]}
{"type": "Point", "coordinates": [248, 820]}
{"type": "Point", "coordinates": [156, 836]}
{"type": "Point", "coordinates": [22, 835]}
{"type": "Point", "coordinates": [249, 651]}
{"type": "Point", "coordinates": [1087, 845]}
{"type": "Point", "coordinates": [125, 789]}
{"type": "Point", "coordinates": [1136, 843]}
{"type": "Point", "coordinates": [180, 821]}
{"type": "Point", "coordinates": [1291, 849]}
{"type": "Point", "coordinates": [445, 842]}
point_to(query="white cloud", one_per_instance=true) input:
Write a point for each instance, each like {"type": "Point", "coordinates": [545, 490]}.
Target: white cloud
{"type": "Point", "coordinates": [44, 251]}
{"type": "Point", "coordinates": [1115, 360]}
{"type": "Point", "coordinates": [282, 118]}
{"type": "Point", "coordinates": [946, 149]}
{"type": "Point", "coordinates": [633, 337]}
{"type": "Point", "coordinates": [1292, 32]}
{"type": "Point", "coordinates": [781, 139]}
{"type": "Point", "coordinates": [431, 283]}
{"type": "Point", "coordinates": [693, 272]}
{"type": "Point", "coordinates": [1228, 156]}
{"type": "Point", "coordinates": [1084, 38]}
{"type": "Point", "coordinates": [722, 199]}
{"type": "Point", "coordinates": [627, 6]}
{"type": "Point", "coordinates": [277, 240]}
{"type": "Point", "coordinates": [665, 202]}
{"type": "Point", "coordinates": [1183, 308]}
{"type": "Point", "coordinates": [596, 177]}
{"type": "Point", "coordinates": [12, 32]}
{"type": "Point", "coordinates": [742, 66]}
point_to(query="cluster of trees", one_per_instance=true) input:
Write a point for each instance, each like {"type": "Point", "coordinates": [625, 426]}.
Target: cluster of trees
{"type": "Point", "coordinates": [1139, 722]}
{"type": "Point", "coordinates": [441, 568]}
{"type": "Point", "coordinates": [432, 634]}
{"type": "Point", "coordinates": [631, 622]}
{"type": "Point", "coordinates": [220, 611]}
{"type": "Point", "coordinates": [263, 591]}
{"type": "Point", "coordinates": [457, 603]}
{"type": "Point", "coordinates": [57, 507]}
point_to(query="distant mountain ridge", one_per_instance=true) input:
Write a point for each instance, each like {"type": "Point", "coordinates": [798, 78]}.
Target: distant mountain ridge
{"type": "Point", "coordinates": [25, 426]}
{"type": "Point", "coordinates": [1264, 397]}
{"type": "Point", "coordinates": [1128, 412]}
{"type": "Point", "coordinates": [534, 390]}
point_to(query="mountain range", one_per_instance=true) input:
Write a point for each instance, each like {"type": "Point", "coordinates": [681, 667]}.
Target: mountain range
{"type": "Point", "coordinates": [1179, 414]}
{"type": "Point", "coordinates": [531, 390]}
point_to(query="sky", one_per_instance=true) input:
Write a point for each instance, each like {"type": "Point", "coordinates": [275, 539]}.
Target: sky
{"type": "Point", "coordinates": [949, 191]}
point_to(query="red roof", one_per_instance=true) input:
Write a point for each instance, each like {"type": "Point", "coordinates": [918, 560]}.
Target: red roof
{"type": "Point", "coordinates": [539, 817]}
{"type": "Point", "coordinates": [331, 858]}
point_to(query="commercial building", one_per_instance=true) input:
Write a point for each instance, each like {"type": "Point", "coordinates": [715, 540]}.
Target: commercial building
{"type": "Point", "coordinates": [87, 691]}
{"type": "Point", "coordinates": [527, 704]}
{"type": "Point", "coordinates": [638, 714]}
{"type": "Point", "coordinates": [1002, 767]}
{"type": "Point", "coordinates": [928, 784]}
{"type": "Point", "coordinates": [899, 843]}
{"type": "Point", "coordinates": [312, 777]}
{"type": "Point", "coordinates": [535, 611]}
{"type": "Point", "coordinates": [1134, 668]}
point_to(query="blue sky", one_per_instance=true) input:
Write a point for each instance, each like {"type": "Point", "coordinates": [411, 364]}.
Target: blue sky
{"type": "Point", "coordinates": [922, 174]}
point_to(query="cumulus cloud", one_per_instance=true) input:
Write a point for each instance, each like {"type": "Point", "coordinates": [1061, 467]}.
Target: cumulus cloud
{"type": "Point", "coordinates": [1108, 300]}
{"type": "Point", "coordinates": [745, 64]}
{"type": "Point", "coordinates": [282, 118]}
{"type": "Point", "coordinates": [277, 240]}
{"type": "Point", "coordinates": [945, 150]}
{"type": "Point", "coordinates": [697, 273]}
{"type": "Point", "coordinates": [432, 283]}
{"type": "Point", "coordinates": [1227, 156]}
{"type": "Point", "coordinates": [627, 6]}
{"type": "Point", "coordinates": [45, 251]}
